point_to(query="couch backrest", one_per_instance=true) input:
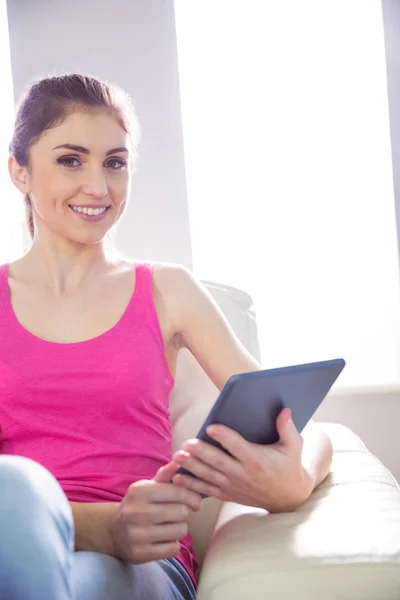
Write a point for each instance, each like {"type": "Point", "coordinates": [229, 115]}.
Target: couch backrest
{"type": "Point", "coordinates": [194, 394]}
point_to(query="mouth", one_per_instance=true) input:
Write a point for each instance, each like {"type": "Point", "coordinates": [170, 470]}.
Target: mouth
{"type": "Point", "coordinates": [89, 213]}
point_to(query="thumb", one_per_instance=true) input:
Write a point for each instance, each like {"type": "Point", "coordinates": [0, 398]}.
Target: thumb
{"type": "Point", "coordinates": [166, 473]}
{"type": "Point", "coordinates": [288, 434]}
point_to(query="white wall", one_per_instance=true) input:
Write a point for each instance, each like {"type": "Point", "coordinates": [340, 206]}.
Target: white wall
{"type": "Point", "coordinates": [133, 43]}
{"type": "Point", "coordinates": [374, 414]}
{"type": "Point", "coordinates": [10, 203]}
{"type": "Point", "coordinates": [391, 20]}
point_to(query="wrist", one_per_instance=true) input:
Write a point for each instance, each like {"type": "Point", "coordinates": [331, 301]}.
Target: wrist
{"type": "Point", "coordinates": [93, 526]}
{"type": "Point", "coordinates": [308, 483]}
{"type": "Point", "coordinates": [112, 532]}
{"type": "Point", "coordinates": [293, 496]}
{"type": "Point", "coordinates": [302, 491]}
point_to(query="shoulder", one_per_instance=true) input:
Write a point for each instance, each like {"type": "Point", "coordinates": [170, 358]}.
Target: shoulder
{"type": "Point", "coordinates": [173, 282]}
{"type": "Point", "coordinates": [201, 325]}
{"type": "Point", "coordinates": [187, 301]}
{"type": "Point", "coordinates": [167, 275]}
{"type": "Point", "coordinates": [178, 289]}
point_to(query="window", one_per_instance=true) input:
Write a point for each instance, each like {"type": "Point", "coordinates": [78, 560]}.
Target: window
{"type": "Point", "coordinates": [289, 174]}
{"type": "Point", "coordinates": [10, 201]}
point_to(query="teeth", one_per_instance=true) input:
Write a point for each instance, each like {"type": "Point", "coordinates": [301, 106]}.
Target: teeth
{"type": "Point", "coordinates": [89, 211]}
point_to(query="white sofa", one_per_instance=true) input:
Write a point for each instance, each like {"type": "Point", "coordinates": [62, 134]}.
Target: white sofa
{"type": "Point", "coordinates": [344, 543]}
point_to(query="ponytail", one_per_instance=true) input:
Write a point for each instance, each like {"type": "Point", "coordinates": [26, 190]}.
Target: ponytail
{"type": "Point", "coordinates": [29, 216]}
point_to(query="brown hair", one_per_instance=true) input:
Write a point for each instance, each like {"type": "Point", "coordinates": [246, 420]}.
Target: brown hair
{"type": "Point", "coordinates": [48, 101]}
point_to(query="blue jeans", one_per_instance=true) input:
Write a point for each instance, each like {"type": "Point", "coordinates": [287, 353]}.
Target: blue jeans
{"type": "Point", "coordinates": [37, 557]}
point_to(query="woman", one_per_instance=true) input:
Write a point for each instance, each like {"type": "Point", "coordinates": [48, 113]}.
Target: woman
{"type": "Point", "coordinates": [90, 504]}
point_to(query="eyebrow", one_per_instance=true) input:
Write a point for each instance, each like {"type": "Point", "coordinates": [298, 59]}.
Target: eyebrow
{"type": "Point", "coordinates": [83, 150]}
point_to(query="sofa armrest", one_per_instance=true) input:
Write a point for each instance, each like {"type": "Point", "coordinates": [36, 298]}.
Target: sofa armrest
{"type": "Point", "coordinates": [344, 542]}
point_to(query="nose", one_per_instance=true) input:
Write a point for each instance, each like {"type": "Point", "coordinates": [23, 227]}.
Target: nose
{"type": "Point", "coordinates": [95, 183]}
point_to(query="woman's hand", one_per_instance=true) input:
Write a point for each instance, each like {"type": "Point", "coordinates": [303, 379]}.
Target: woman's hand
{"type": "Point", "coordinates": [270, 477]}
{"type": "Point", "coordinates": [152, 517]}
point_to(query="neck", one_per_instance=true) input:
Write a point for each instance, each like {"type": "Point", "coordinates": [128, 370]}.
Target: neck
{"type": "Point", "coordinates": [65, 266]}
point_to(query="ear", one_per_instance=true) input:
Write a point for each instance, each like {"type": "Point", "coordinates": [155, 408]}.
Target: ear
{"type": "Point", "coordinates": [19, 175]}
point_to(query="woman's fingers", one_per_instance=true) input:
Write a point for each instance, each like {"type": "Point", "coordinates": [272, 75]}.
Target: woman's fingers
{"type": "Point", "coordinates": [166, 472]}
{"type": "Point", "coordinates": [199, 486]}
{"type": "Point", "coordinates": [201, 469]}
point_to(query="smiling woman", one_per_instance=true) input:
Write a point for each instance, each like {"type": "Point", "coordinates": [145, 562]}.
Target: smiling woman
{"type": "Point", "coordinates": [86, 434]}
{"type": "Point", "coordinates": [88, 353]}
{"type": "Point", "coordinates": [54, 117]}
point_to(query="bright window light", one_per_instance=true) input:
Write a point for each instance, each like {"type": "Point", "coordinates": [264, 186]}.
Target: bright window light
{"type": "Point", "coordinates": [289, 174]}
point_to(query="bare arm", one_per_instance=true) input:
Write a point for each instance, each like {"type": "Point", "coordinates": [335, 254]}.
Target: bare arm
{"type": "Point", "coordinates": [317, 453]}
{"type": "Point", "coordinates": [92, 523]}
{"type": "Point", "coordinates": [260, 476]}
{"type": "Point", "coordinates": [146, 525]}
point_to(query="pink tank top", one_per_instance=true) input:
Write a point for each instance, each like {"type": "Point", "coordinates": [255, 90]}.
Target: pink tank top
{"type": "Point", "coordinates": [94, 413]}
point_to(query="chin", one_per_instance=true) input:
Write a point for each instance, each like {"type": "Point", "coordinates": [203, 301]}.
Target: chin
{"type": "Point", "coordinates": [88, 238]}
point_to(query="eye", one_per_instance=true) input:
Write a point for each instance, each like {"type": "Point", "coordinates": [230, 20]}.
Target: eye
{"type": "Point", "coordinates": [116, 164]}
{"type": "Point", "coordinates": [68, 161]}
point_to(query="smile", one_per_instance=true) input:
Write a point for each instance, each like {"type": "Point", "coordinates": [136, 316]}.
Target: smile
{"type": "Point", "coordinates": [89, 213]}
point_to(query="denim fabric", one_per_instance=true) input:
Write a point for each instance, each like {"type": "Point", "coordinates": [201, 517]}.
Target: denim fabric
{"type": "Point", "coordinates": [37, 557]}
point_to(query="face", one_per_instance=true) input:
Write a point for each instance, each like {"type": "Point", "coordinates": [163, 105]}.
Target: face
{"type": "Point", "coordinates": [79, 177]}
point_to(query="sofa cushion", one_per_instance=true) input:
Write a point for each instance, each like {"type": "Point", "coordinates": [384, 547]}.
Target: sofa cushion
{"type": "Point", "coordinates": [343, 543]}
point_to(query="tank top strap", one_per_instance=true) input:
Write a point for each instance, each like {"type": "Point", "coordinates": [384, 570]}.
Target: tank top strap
{"type": "Point", "coordinates": [143, 292]}
{"type": "Point", "coordinates": [4, 293]}
{"type": "Point", "coordinates": [141, 314]}
{"type": "Point", "coordinates": [141, 305]}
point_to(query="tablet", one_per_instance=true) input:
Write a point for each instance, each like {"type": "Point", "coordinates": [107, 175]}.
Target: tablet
{"type": "Point", "coordinates": [250, 403]}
